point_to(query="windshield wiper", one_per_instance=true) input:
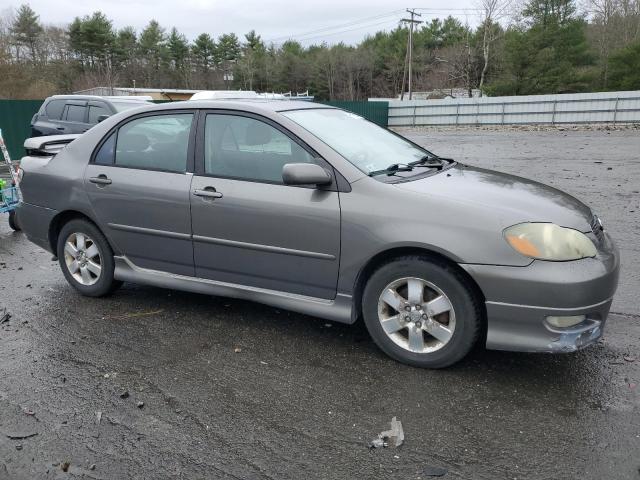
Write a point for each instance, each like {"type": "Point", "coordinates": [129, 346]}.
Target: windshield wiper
{"type": "Point", "coordinates": [426, 162]}
{"type": "Point", "coordinates": [392, 169]}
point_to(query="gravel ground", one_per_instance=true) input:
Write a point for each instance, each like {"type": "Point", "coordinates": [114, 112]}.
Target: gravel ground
{"type": "Point", "coordinates": [237, 390]}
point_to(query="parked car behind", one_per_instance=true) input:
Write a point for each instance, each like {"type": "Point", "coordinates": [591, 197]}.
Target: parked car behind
{"type": "Point", "coordinates": [69, 114]}
{"type": "Point", "coordinates": [314, 209]}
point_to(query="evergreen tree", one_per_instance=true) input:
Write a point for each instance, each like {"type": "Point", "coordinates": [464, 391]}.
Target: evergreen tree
{"type": "Point", "coordinates": [178, 55]}
{"type": "Point", "coordinates": [624, 68]}
{"type": "Point", "coordinates": [551, 56]}
{"type": "Point", "coordinates": [26, 30]}
{"type": "Point", "coordinates": [92, 38]}
{"type": "Point", "coordinates": [153, 51]}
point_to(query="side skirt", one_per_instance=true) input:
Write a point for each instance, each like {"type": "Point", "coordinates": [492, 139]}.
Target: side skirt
{"type": "Point", "coordinates": [338, 310]}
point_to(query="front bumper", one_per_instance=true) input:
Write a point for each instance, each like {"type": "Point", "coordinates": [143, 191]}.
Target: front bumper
{"type": "Point", "coordinates": [519, 299]}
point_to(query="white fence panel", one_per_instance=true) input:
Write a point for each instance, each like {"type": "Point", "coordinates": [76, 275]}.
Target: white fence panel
{"type": "Point", "coordinates": [604, 107]}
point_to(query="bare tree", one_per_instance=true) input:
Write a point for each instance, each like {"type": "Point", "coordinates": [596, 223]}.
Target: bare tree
{"type": "Point", "coordinates": [7, 18]}
{"type": "Point", "coordinates": [604, 13]}
{"type": "Point", "coordinates": [629, 16]}
{"type": "Point", "coordinates": [492, 11]}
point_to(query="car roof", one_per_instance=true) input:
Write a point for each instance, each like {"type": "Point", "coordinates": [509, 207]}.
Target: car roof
{"type": "Point", "coordinates": [96, 97]}
{"type": "Point", "coordinates": [252, 105]}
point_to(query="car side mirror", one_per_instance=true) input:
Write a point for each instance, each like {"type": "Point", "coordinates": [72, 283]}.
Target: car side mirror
{"type": "Point", "coordinates": [305, 174]}
{"type": "Point", "coordinates": [102, 117]}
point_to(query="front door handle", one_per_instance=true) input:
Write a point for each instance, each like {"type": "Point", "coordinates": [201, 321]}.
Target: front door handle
{"type": "Point", "coordinates": [100, 180]}
{"type": "Point", "coordinates": [207, 192]}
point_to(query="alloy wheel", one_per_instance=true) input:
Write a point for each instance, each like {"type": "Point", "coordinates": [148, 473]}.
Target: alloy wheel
{"type": "Point", "coordinates": [82, 258]}
{"type": "Point", "coordinates": [416, 315]}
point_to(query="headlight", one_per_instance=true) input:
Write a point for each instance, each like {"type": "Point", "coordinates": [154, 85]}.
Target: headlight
{"type": "Point", "coordinates": [547, 241]}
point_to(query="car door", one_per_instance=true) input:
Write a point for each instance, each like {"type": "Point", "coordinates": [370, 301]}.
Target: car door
{"type": "Point", "coordinates": [138, 183]}
{"type": "Point", "coordinates": [248, 227]}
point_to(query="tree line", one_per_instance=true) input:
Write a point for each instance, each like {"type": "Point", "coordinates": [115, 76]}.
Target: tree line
{"type": "Point", "coordinates": [544, 46]}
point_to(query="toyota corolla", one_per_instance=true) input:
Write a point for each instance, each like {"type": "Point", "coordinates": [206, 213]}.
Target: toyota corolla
{"type": "Point", "coordinates": [314, 209]}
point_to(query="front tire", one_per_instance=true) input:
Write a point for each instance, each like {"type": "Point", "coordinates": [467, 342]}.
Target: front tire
{"type": "Point", "coordinates": [86, 259]}
{"type": "Point", "coordinates": [421, 311]}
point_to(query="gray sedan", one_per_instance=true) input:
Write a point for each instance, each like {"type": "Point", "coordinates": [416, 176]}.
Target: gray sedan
{"type": "Point", "coordinates": [316, 210]}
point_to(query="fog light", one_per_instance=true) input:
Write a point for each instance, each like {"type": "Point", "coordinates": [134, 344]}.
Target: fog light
{"type": "Point", "coordinates": [565, 322]}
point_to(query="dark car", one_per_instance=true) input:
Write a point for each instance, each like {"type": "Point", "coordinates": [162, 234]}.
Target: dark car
{"type": "Point", "coordinates": [67, 114]}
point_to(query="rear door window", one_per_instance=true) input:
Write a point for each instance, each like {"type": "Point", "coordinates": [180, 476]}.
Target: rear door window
{"type": "Point", "coordinates": [104, 156]}
{"type": "Point", "coordinates": [158, 142]}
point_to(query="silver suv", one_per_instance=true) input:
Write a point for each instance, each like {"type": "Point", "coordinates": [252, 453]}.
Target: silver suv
{"type": "Point", "coordinates": [314, 209]}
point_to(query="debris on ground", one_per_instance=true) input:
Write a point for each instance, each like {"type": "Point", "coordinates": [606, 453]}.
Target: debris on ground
{"type": "Point", "coordinates": [124, 394]}
{"type": "Point", "coordinates": [21, 436]}
{"type": "Point", "coordinates": [237, 350]}
{"type": "Point", "coordinates": [629, 358]}
{"type": "Point", "coordinates": [134, 315]}
{"type": "Point", "coordinates": [98, 417]}
{"type": "Point", "coordinates": [19, 446]}
{"type": "Point", "coordinates": [65, 466]}
{"type": "Point", "coordinates": [29, 412]}
{"type": "Point", "coordinates": [140, 404]}
{"type": "Point", "coordinates": [5, 316]}
{"type": "Point", "coordinates": [393, 437]}
{"type": "Point", "coordinates": [92, 466]}
{"type": "Point", "coordinates": [430, 471]}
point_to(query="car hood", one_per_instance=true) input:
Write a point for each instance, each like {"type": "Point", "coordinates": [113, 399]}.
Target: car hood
{"type": "Point", "coordinates": [512, 199]}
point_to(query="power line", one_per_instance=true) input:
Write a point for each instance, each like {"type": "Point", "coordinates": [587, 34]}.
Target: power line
{"type": "Point", "coordinates": [450, 9]}
{"type": "Point", "coordinates": [333, 27]}
{"type": "Point", "coordinates": [366, 23]}
{"type": "Point", "coordinates": [384, 22]}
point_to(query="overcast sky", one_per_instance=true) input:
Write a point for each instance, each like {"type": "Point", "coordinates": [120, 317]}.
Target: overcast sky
{"type": "Point", "coordinates": [309, 21]}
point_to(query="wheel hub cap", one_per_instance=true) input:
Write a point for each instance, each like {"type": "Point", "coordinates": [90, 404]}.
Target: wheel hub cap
{"type": "Point", "coordinates": [416, 315]}
{"type": "Point", "coordinates": [82, 258]}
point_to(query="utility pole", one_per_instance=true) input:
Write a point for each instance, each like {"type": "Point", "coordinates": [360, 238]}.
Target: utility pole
{"type": "Point", "coordinates": [411, 21]}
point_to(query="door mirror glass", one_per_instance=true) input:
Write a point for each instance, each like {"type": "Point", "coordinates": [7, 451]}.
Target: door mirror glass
{"type": "Point", "coordinates": [305, 174]}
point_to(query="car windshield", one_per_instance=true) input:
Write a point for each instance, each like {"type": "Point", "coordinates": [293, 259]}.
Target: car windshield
{"type": "Point", "coordinates": [365, 144]}
{"type": "Point", "coordinates": [122, 106]}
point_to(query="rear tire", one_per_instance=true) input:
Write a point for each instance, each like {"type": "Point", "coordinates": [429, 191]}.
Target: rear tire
{"type": "Point", "coordinates": [13, 221]}
{"type": "Point", "coordinates": [86, 259]}
{"type": "Point", "coordinates": [421, 311]}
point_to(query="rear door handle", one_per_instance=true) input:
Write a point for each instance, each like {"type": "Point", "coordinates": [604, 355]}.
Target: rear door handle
{"type": "Point", "coordinates": [207, 192]}
{"type": "Point", "coordinates": [59, 128]}
{"type": "Point", "coordinates": [100, 180]}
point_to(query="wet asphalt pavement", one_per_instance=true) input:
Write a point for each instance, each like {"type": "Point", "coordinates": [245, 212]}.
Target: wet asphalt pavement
{"type": "Point", "coordinates": [233, 389]}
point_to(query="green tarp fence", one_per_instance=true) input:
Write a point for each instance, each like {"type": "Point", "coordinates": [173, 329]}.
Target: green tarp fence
{"type": "Point", "coordinates": [15, 119]}
{"type": "Point", "coordinates": [377, 112]}
{"type": "Point", "coordinates": [15, 122]}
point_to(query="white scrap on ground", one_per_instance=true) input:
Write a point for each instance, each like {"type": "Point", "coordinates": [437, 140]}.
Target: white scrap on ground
{"type": "Point", "coordinates": [393, 437]}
